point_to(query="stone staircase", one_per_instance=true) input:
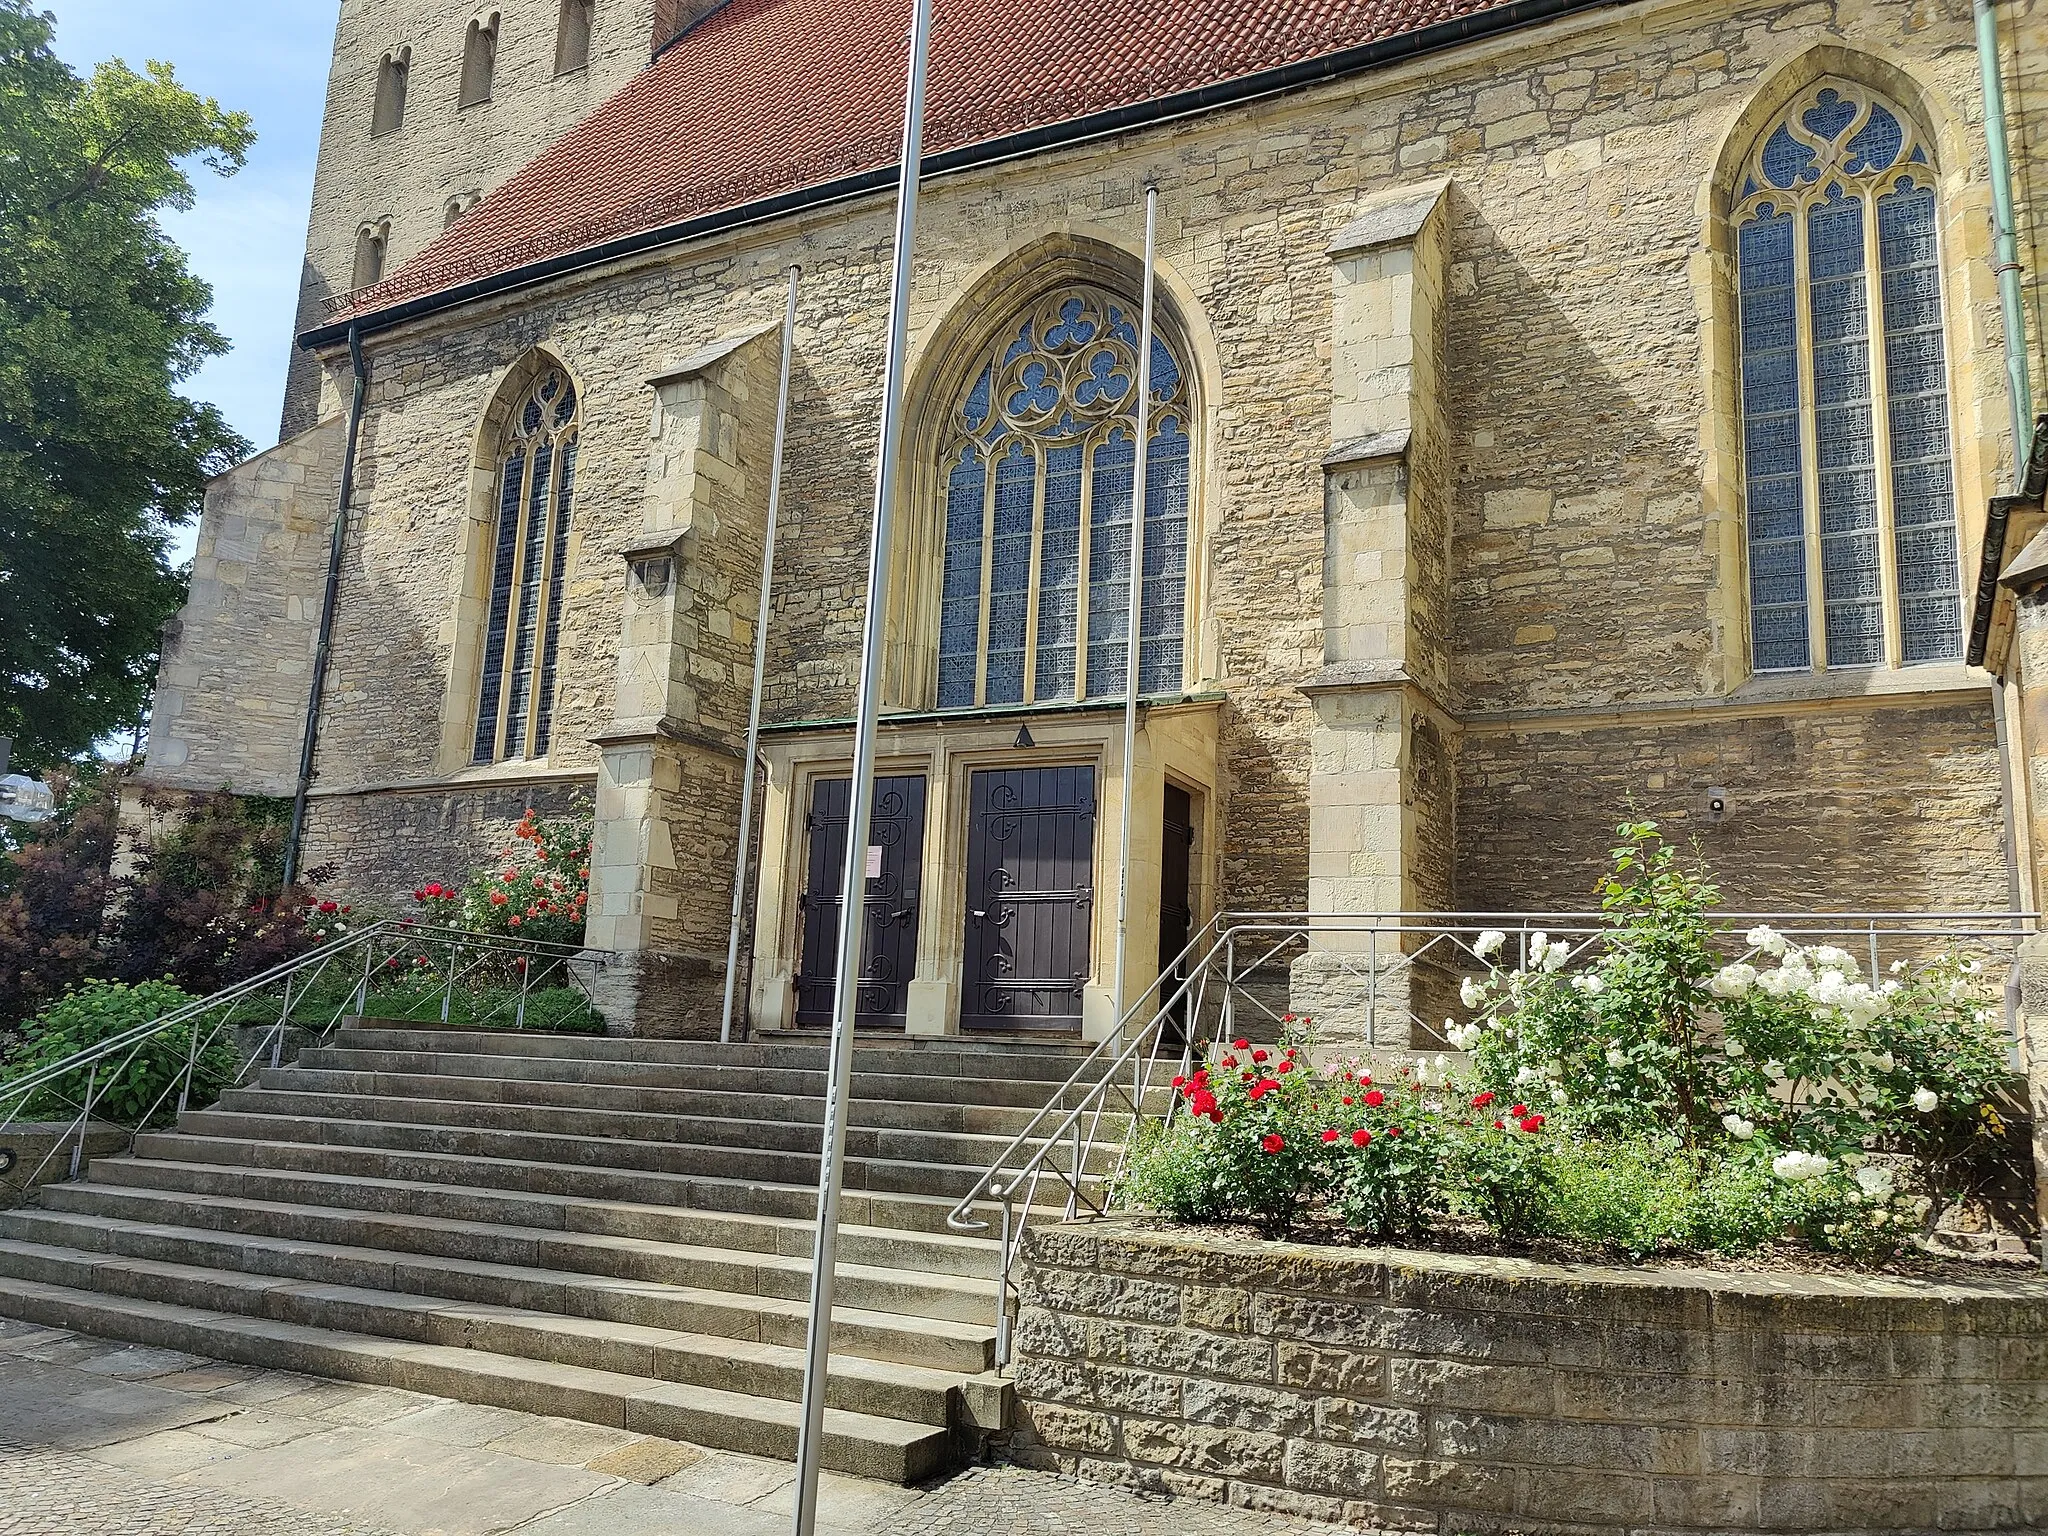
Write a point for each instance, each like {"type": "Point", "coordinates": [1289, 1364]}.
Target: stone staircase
{"type": "Point", "coordinates": [611, 1230]}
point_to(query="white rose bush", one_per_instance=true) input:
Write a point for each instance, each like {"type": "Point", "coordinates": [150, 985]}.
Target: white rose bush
{"type": "Point", "coordinates": [1754, 1092]}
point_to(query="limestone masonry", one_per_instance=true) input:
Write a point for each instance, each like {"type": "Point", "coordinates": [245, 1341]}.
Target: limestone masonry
{"type": "Point", "coordinates": [1419, 1392]}
{"type": "Point", "coordinates": [1467, 575]}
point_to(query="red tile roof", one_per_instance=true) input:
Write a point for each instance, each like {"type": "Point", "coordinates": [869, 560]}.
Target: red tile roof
{"type": "Point", "coordinates": [769, 97]}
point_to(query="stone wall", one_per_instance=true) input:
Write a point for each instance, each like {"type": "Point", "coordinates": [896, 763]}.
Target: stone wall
{"type": "Point", "coordinates": [1873, 805]}
{"type": "Point", "coordinates": [1408, 1391]}
{"type": "Point", "coordinates": [442, 151]}
{"type": "Point", "coordinates": [237, 664]}
{"type": "Point", "coordinates": [382, 847]}
{"type": "Point", "coordinates": [1588, 569]}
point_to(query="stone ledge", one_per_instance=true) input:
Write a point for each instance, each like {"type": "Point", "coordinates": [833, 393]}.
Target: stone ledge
{"type": "Point", "coordinates": [1392, 221]}
{"type": "Point", "coordinates": [1475, 1393]}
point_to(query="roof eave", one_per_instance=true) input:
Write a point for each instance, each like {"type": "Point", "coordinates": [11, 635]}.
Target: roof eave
{"type": "Point", "coordinates": [1207, 98]}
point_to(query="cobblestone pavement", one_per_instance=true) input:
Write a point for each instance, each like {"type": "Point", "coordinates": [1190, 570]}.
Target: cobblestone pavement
{"type": "Point", "coordinates": [103, 1439]}
{"type": "Point", "coordinates": [52, 1491]}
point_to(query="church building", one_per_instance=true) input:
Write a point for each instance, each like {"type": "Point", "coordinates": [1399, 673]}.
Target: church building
{"type": "Point", "coordinates": [1562, 412]}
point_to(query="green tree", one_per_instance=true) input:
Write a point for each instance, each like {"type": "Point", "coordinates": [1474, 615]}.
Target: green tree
{"type": "Point", "coordinates": [100, 321]}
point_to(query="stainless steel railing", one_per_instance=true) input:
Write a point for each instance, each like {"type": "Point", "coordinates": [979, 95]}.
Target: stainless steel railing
{"type": "Point", "coordinates": [398, 969]}
{"type": "Point", "coordinates": [1234, 977]}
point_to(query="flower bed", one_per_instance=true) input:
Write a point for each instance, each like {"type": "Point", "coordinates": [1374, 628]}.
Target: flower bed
{"type": "Point", "coordinates": [1630, 1092]}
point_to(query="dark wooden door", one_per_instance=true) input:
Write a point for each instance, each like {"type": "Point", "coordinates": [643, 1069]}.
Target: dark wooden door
{"type": "Point", "coordinates": [1176, 892]}
{"type": "Point", "coordinates": [1030, 897]}
{"type": "Point", "coordinates": [889, 952]}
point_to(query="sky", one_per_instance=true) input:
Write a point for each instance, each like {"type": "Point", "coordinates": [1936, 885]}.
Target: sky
{"type": "Point", "coordinates": [246, 235]}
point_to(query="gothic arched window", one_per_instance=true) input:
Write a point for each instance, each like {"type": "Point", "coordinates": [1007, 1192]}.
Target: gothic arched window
{"type": "Point", "coordinates": [1036, 476]}
{"type": "Point", "coordinates": [528, 551]}
{"type": "Point", "coordinates": [1845, 417]}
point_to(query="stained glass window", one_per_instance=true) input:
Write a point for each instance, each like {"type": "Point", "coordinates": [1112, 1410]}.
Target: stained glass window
{"type": "Point", "coordinates": [529, 556]}
{"type": "Point", "coordinates": [1845, 430]}
{"type": "Point", "coordinates": [1035, 591]}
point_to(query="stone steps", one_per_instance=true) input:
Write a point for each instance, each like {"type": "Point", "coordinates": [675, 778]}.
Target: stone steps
{"type": "Point", "coordinates": [862, 1444]}
{"type": "Point", "coordinates": [895, 1248]}
{"type": "Point", "coordinates": [940, 1114]}
{"type": "Point", "coordinates": [956, 1149]}
{"type": "Point", "coordinates": [901, 1175]}
{"type": "Point", "coordinates": [1050, 1064]}
{"type": "Point", "coordinates": [790, 1084]}
{"type": "Point", "coordinates": [895, 1210]}
{"type": "Point", "coordinates": [909, 1293]}
{"type": "Point", "coordinates": [617, 1230]}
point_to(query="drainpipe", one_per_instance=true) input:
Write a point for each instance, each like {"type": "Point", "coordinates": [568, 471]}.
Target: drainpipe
{"type": "Point", "coordinates": [325, 647]}
{"type": "Point", "coordinates": [2005, 243]}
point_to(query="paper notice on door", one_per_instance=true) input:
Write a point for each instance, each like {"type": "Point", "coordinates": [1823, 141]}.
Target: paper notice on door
{"type": "Point", "coordinates": [874, 861]}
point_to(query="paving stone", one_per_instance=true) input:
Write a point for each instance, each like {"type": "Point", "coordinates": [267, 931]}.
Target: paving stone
{"type": "Point", "coordinates": [1016, 1502]}
{"type": "Point", "coordinates": [45, 1491]}
{"type": "Point", "coordinates": [278, 1468]}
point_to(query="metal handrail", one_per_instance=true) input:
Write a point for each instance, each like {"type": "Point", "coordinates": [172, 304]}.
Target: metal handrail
{"type": "Point", "coordinates": [298, 976]}
{"type": "Point", "coordinates": [1140, 1047]}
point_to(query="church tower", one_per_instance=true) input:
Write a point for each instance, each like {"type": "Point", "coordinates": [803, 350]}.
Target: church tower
{"type": "Point", "coordinates": [430, 105]}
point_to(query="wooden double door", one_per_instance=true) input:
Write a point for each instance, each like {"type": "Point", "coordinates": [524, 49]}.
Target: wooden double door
{"type": "Point", "coordinates": [895, 867]}
{"type": "Point", "coordinates": [1030, 897]}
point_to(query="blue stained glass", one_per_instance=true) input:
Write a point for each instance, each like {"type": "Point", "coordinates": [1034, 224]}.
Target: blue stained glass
{"type": "Point", "coordinates": [975, 414]}
{"type": "Point", "coordinates": [1844, 441]}
{"type": "Point", "coordinates": [960, 598]}
{"type": "Point", "coordinates": [1038, 394]}
{"type": "Point", "coordinates": [1014, 623]}
{"type": "Point", "coordinates": [525, 632]}
{"type": "Point", "coordinates": [1106, 382]}
{"type": "Point", "coordinates": [1163, 599]}
{"type": "Point", "coordinates": [1075, 328]}
{"type": "Point", "coordinates": [1021, 344]}
{"type": "Point", "coordinates": [1165, 372]}
{"type": "Point", "coordinates": [566, 406]}
{"type": "Point", "coordinates": [1770, 429]}
{"type": "Point", "coordinates": [1877, 143]}
{"type": "Point", "coordinates": [1009, 584]}
{"type": "Point", "coordinates": [1829, 115]}
{"type": "Point", "coordinates": [504, 561]}
{"type": "Point", "coordinates": [1786, 161]}
{"type": "Point", "coordinates": [1059, 574]}
{"type": "Point", "coordinates": [1916, 409]}
{"type": "Point", "coordinates": [1770, 382]}
{"type": "Point", "coordinates": [558, 561]}
{"type": "Point", "coordinates": [1109, 564]}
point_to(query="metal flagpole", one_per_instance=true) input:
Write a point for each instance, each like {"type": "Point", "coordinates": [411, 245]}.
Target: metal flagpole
{"type": "Point", "coordinates": [1134, 630]}
{"type": "Point", "coordinates": [853, 885]}
{"type": "Point", "coordinates": [739, 878]}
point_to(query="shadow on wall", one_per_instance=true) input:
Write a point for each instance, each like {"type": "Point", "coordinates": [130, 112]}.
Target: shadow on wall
{"type": "Point", "coordinates": [1579, 570]}
{"type": "Point", "coordinates": [1865, 809]}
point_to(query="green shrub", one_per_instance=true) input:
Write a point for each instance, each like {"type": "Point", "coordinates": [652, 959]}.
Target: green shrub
{"type": "Point", "coordinates": [1623, 1091]}
{"type": "Point", "coordinates": [130, 1083]}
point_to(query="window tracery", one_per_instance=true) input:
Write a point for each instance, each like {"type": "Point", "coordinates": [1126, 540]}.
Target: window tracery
{"type": "Point", "coordinates": [1036, 480]}
{"type": "Point", "coordinates": [1852, 538]}
{"type": "Point", "coordinates": [528, 553]}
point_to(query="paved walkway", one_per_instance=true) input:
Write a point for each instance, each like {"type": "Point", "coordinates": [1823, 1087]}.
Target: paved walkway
{"type": "Point", "coordinates": [100, 1439]}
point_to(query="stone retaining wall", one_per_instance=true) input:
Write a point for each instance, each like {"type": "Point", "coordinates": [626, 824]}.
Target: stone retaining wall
{"type": "Point", "coordinates": [1412, 1391]}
